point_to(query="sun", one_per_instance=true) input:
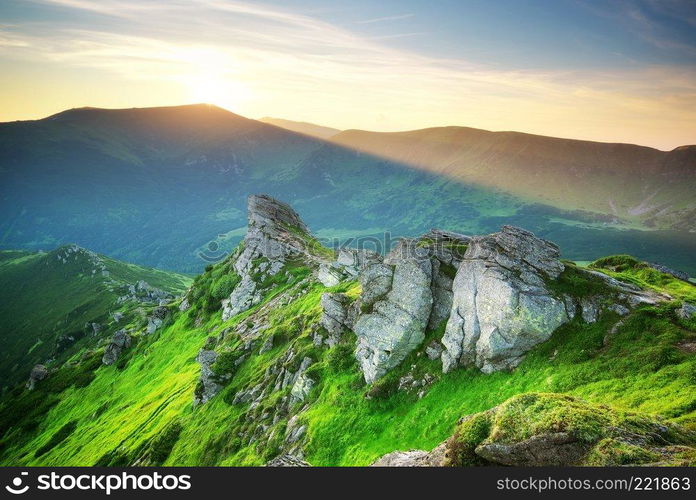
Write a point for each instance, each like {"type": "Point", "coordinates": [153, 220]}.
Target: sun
{"type": "Point", "coordinates": [216, 89]}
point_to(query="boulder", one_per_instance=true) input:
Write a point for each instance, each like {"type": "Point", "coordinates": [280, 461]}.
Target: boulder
{"type": "Point", "coordinates": [501, 305]}
{"type": "Point", "coordinates": [397, 323]}
{"type": "Point", "coordinates": [335, 317]}
{"type": "Point", "coordinates": [208, 385]}
{"type": "Point", "coordinates": [38, 373]}
{"type": "Point", "coordinates": [686, 311]}
{"type": "Point", "coordinates": [376, 282]}
{"type": "Point", "coordinates": [119, 342]}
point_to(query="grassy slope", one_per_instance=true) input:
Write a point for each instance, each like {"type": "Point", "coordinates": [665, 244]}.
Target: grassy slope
{"type": "Point", "coordinates": [42, 298]}
{"type": "Point", "coordinates": [123, 411]}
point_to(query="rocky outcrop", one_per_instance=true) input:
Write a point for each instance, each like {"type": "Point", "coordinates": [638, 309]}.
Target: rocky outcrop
{"type": "Point", "coordinates": [119, 342]}
{"type": "Point", "coordinates": [208, 384]}
{"type": "Point", "coordinates": [349, 264]}
{"type": "Point", "coordinates": [275, 233]}
{"type": "Point", "coordinates": [396, 325]}
{"type": "Point", "coordinates": [554, 430]}
{"type": "Point", "coordinates": [38, 373]}
{"type": "Point", "coordinates": [502, 306]}
{"type": "Point", "coordinates": [156, 319]}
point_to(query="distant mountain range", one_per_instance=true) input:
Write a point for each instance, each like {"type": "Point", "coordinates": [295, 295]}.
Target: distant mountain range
{"type": "Point", "coordinates": [166, 187]}
{"type": "Point", "coordinates": [635, 183]}
{"type": "Point", "coordinates": [302, 127]}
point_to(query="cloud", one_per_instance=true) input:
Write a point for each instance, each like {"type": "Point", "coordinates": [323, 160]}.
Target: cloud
{"type": "Point", "coordinates": [304, 68]}
{"type": "Point", "coordinates": [383, 19]}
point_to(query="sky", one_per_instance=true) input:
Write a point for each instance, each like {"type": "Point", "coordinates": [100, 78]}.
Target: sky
{"type": "Point", "coordinates": [612, 71]}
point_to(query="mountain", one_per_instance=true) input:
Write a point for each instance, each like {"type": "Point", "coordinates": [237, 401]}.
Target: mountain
{"type": "Point", "coordinates": [305, 128]}
{"type": "Point", "coordinates": [635, 183]}
{"type": "Point", "coordinates": [166, 188]}
{"type": "Point", "coordinates": [53, 303]}
{"type": "Point", "coordinates": [290, 353]}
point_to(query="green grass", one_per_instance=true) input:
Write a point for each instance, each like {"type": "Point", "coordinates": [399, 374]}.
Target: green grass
{"type": "Point", "coordinates": [143, 410]}
{"type": "Point", "coordinates": [630, 269]}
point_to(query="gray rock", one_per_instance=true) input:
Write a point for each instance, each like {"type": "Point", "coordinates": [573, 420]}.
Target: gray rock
{"type": "Point", "coordinates": [686, 311]}
{"type": "Point", "coordinates": [396, 324]}
{"type": "Point", "coordinates": [185, 305]}
{"type": "Point", "coordinates": [208, 385]}
{"type": "Point", "coordinates": [334, 312]}
{"type": "Point", "coordinates": [119, 342]}
{"type": "Point", "coordinates": [434, 350]}
{"type": "Point", "coordinates": [376, 281]}
{"type": "Point", "coordinates": [302, 384]}
{"type": "Point", "coordinates": [672, 272]}
{"type": "Point", "coordinates": [330, 275]}
{"type": "Point", "coordinates": [590, 309]}
{"type": "Point", "coordinates": [441, 288]}
{"type": "Point", "coordinates": [38, 373]}
{"type": "Point", "coordinates": [413, 458]}
{"type": "Point", "coordinates": [501, 306]}
{"type": "Point", "coordinates": [557, 449]}
{"type": "Point", "coordinates": [274, 233]}
{"type": "Point", "coordinates": [288, 460]}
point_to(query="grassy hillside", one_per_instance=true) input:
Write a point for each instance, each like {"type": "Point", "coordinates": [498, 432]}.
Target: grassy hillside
{"type": "Point", "coordinates": [140, 410]}
{"type": "Point", "coordinates": [302, 127]}
{"type": "Point", "coordinates": [649, 187]}
{"type": "Point", "coordinates": [166, 188]}
{"type": "Point", "coordinates": [48, 302]}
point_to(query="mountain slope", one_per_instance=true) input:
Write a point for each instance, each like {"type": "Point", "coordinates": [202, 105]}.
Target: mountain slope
{"type": "Point", "coordinates": [280, 375]}
{"type": "Point", "coordinates": [166, 188]}
{"type": "Point", "coordinates": [52, 303]}
{"type": "Point", "coordinates": [305, 128]}
{"type": "Point", "coordinates": [632, 182]}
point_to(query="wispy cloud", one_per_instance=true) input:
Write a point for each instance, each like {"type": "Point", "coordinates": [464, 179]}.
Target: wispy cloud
{"type": "Point", "coordinates": [292, 65]}
{"type": "Point", "coordinates": [386, 18]}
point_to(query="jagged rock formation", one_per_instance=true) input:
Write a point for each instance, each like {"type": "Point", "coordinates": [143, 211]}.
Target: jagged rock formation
{"type": "Point", "coordinates": [349, 264]}
{"type": "Point", "coordinates": [396, 325]}
{"type": "Point", "coordinates": [502, 306]}
{"type": "Point", "coordinates": [275, 233]}
{"type": "Point", "coordinates": [208, 385]}
{"type": "Point", "coordinates": [38, 373]}
{"type": "Point", "coordinates": [554, 430]}
{"type": "Point", "coordinates": [143, 292]}
{"type": "Point", "coordinates": [120, 341]}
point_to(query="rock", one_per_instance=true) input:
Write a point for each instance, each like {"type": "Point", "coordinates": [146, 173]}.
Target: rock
{"type": "Point", "coordinates": [501, 306]}
{"type": "Point", "coordinates": [156, 319]}
{"type": "Point", "coordinates": [335, 315]}
{"type": "Point", "coordinates": [185, 305]}
{"type": "Point", "coordinates": [397, 324]}
{"type": "Point", "coordinates": [288, 460]}
{"type": "Point", "coordinates": [38, 373]}
{"type": "Point", "coordinates": [208, 385]}
{"type": "Point", "coordinates": [302, 383]}
{"type": "Point", "coordinates": [329, 275]}
{"type": "Point", "coordinates": [118, 315]}
{"type": "Point", "coordinates": [590, 309]}
{"type": "Point", "coordinates": [120, 341]}
{"type": "Point", "coordinates": [686, 311]}
{"type": "Point", "coordinates": [672, 272]}
{"type": "Point", "coordinates": [441, 289]}
{"type": "Point", "coordinates": [376, 281]}
{"type": "Point", "coordinates": [267, 345]}
{"type": "Point", "coordinates": [538, 429]}
{"type": "Point", "coordinates": [275, 232]}
{"type": "Point", "coordinates": [413, 458]}
{"type": "Point", "coordinates": [434, 350]}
